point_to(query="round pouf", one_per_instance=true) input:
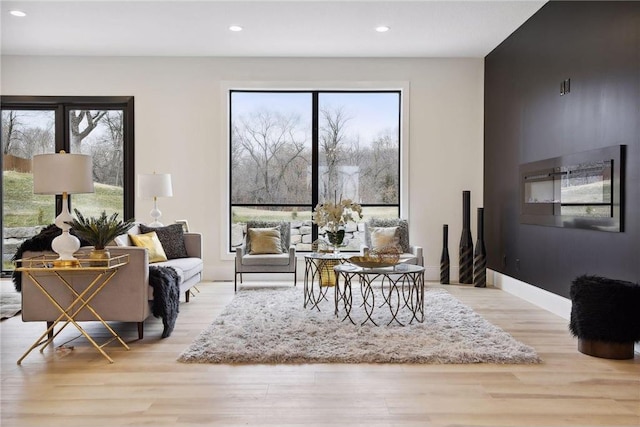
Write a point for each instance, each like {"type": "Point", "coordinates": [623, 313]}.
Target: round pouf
{"type": "Point", "coordinates": [605, 316]}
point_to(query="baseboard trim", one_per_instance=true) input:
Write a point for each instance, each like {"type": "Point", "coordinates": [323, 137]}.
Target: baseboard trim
{"type": "Point", "coordinates": [549, 301]}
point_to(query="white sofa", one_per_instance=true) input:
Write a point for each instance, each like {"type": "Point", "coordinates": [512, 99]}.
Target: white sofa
{"type": "Point", "coordinates": [127, 297]}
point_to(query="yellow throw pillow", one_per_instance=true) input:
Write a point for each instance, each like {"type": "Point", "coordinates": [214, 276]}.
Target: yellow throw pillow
{"type": "Point", "coordinates": [264, 241]}
{"type": "Point", "coordinates": [382, 237]}
{"type": "Point", "coordinates": [152, 243]}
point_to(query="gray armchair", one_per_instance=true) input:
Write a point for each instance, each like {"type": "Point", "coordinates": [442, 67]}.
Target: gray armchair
{"type": "Point", "coordinates": [410, 254]}
{"type": "Point", "coordinates": [250, 259]}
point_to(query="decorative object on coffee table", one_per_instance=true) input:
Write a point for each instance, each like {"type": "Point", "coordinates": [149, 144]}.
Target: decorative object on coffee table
{"type": "Point", "coordinates": [466, 243]}
{"type": "Point", "coordinates": [480, 255]}
{"type": "Point", "coordinates": [336, 237]}
{"type": "Point", "coordinates": [444, 257]}
{"type": "Point", "coordinates": [378, 258]}
{"type": "Point", "coordinates": [333, 216]}
{"type": "Point", "coordinates": [604, 316]}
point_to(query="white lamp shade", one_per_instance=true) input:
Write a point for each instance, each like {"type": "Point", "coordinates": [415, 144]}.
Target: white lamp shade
{"type": "Point", "coordinates": [62, 173]}
{"type": "Point", "coordinates": [154, 185]}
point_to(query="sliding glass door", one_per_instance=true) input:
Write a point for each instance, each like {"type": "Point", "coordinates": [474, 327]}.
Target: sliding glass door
{"type": "Point", "coordinates": [101, 127]}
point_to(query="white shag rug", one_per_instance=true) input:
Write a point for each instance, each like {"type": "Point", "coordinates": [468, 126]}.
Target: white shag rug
{"type": "Point", "coordinates": [270, 325]}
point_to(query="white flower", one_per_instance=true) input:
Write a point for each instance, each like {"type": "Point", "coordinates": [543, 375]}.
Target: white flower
{"type": "Point", "coordinates": [332, 216]}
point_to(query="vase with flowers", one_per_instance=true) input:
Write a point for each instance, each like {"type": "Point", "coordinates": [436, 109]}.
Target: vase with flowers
{"type": "Point", "coordinates": [333, 216]}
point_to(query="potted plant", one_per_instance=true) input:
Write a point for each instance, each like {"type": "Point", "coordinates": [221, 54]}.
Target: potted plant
{"type": "Point", "coordinates": [99, 231]}
{"type": "Point", "coordinates": [333, 217]}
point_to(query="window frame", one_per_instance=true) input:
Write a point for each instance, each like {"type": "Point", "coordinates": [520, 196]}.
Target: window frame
{"type": "Point", "coordinates": [400, 88]}
{"type": "Point", "coordinates": [61, 105]}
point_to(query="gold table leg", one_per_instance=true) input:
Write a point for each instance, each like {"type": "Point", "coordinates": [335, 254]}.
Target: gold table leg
{"type": "Point", "coordinates": [68, 315]}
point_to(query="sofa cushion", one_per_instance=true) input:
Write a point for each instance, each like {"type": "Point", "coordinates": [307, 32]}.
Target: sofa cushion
{"type": "Point", "coordinates": [151, 242]}
{"type": "Point", "coordinates": [171, 237]}
{"type": "Point", "coordinates": [186, 267]}
{"type": "Point", "coordinates": [266, 260]}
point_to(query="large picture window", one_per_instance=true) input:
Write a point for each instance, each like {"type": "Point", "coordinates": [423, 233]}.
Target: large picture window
{"type": "Point", "coordinates": [290, 150]}
{"type": "Point", "coordinates": [101, 127]}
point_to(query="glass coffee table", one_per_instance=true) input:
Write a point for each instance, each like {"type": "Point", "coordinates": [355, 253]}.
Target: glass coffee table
{"type": "Point", "coordinates": [319, 275]}
{"type": "Point", "coordinates": [401, 286]}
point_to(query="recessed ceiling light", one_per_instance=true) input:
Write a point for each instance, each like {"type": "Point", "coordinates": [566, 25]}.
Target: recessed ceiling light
{"type": "Point", "coordinates": [382, 29]}
{"type": "Point", "coordinates": [18, 13]}
{"type": "Point", "coordinates": [235, 28]}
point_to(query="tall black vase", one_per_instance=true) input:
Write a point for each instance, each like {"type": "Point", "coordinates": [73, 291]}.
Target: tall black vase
{"type": "Point", "coordinates": [444, 258]}
{"type": "Point", "coordinates": [480, 255]}
{"type": "Point", "coordinates": [466, 243]}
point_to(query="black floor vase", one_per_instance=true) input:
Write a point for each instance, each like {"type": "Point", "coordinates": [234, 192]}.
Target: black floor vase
{"type": "Point", "coordinates": [480, 255]}
{"type": "Point", "coordinates": [466, 243]}
{"type": "Point", "coordinates": [444, 257]}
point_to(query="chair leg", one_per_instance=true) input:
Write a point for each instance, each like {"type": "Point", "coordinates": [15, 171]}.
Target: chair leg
{"type": "Point", "coordinates": [50, 334]}
{"type": "Point", "coordinates": [140, 330]}
{"type": "Point", "coordinates": [186, 295]}
{"type": "Point", "coordinates": [235, 282]}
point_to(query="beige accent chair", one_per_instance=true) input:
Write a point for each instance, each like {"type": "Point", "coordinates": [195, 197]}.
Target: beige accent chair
{"type": "Point", "coordinates": [411, 254]}
{"type": "Point", "coordinates": [284, 262]}
{"type": "Point", "coordinates": [126, 298]}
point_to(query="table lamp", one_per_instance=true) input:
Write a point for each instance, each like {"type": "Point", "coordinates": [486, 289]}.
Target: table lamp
{"type": "Point", "coordinates": [63, 174]}
{"type": "Point", "coordinates": [154, 185]}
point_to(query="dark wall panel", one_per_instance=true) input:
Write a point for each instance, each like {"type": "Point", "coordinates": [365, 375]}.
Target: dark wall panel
{"type": "Point", "coordinates": [597, 46]}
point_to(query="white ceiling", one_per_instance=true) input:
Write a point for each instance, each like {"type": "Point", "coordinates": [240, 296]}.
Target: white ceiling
{"type": "Point", "coordinates": [302, 28]}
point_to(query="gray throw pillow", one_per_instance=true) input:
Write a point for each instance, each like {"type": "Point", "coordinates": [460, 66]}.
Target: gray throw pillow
{"type": "Point", "coordinates": [172, 239]}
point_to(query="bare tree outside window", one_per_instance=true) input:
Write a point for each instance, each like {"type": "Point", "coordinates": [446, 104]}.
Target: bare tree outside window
{"type": "Point", "coordinates": [100, 134]}
{"type": "Point", "coordinates": [271, 154]}
{"type": "Point", "coordinates": [273, 172]}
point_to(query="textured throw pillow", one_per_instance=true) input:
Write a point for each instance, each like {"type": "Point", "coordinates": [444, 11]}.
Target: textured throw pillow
{"type": "Point", "coordinates": [172, 239]}
{"type": "Point", "coordinates": [283, 226]}
{"type": "Point", "coordinates": [265, 241]}
{"type": "Point", "coordinates": [152, 243]}
{"type": "Point", "coordinates": [382, 237]}
{"type": "Point", "coordinates": [403, 230]}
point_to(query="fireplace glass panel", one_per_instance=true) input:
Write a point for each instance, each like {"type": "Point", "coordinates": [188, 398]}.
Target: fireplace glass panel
{"type": "Point", "coordinates": [581, 190]}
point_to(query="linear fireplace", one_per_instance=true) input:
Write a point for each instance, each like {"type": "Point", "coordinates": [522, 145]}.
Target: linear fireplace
{"type": "Point", "coordinates": [581, 190]}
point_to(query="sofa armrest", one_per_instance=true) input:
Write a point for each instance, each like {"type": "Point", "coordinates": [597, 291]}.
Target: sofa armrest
{"type": "Point", "coordinates": [138, 257]}
{"type": "Point", "coordinates": [193, 244]}
{"type": "Point", "coordinates": [417, 252]}
{"type": "Point", "coordinates": [240, 252]}
{"type": "Point", "coordinates": [292, 254]}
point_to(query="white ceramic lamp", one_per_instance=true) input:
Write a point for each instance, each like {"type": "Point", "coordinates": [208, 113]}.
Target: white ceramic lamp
{"type": "Point", "coordinates": [63, 174]}
{"type": "Point", "coordinates": [154, 185]}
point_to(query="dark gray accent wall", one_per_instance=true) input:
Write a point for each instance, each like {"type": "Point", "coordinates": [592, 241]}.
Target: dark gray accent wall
{"type": "Point", "coordinates": [597, 46]}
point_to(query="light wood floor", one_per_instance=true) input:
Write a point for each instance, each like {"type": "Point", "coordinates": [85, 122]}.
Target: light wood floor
{"type": "Point", "coordinates": [146, 386]}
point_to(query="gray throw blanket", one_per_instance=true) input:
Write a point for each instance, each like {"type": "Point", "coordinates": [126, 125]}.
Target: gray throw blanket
{"type": "Point", "coordinates": [166, 296]}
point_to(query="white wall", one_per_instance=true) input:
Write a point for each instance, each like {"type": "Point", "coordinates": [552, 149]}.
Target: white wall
{"type": "Point", "coordinates": [180, 119]}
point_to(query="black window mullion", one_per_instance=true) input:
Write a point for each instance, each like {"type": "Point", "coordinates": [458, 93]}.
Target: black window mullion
{"type": "Point", "coordinates": [315, 129]}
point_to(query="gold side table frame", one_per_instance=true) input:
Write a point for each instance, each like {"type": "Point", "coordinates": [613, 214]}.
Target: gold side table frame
{"type": "Point", "coordinates": [103, 271]}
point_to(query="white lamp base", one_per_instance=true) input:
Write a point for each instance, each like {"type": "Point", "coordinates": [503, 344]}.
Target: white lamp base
{"type": "Point", "coordinates": [66, 244]}
{"type": "Point", "coordinates": [155, 214]}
